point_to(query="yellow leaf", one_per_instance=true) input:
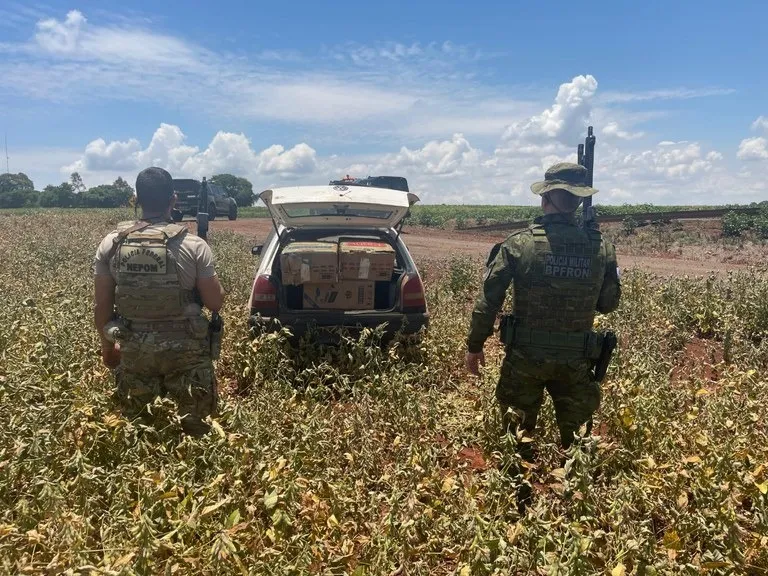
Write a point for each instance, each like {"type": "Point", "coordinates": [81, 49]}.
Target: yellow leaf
{"type": "Point", "coordinates": [514, 533]}
{"type": "Point", "coordinates": [332, 521]}
{"type": "Point", "coordinates": [112, 421]}
{"type": "Point", "coordinates": [396, 441]}
{"type": "Point", "coordinates": [465, 571]}
{"type": "Point", "coordinates": [213, 507]}
{"type": "Point", "coordinates": [34, 536]}
{"type": "Point", "coordinates": [702, 392]}
{"type": "Point", "coordinates": [762, 487]}
{"type": "Point", "coordinates": [672, 540]}
{"type": "Point", "coordinates": [692, 459]}
{"type": "Point", "coordinates": [219, 430]}
{"type": "Point", "coordinates": [620, 570]}
{"type": "Point", "coordinates": [558, 473]}
{"type": "Point", "coordinates": [626, 417]}
{"type": "Point", "coordinates": [123, 560]}
{"type": "Point", "coordinates": [682, 500]}
{"type": "Point", "coordinates": [448, 484]}
{"type": "Point", "coordinates": [349, 457]}
{"type": "Point", "coordinates": [713, 565]}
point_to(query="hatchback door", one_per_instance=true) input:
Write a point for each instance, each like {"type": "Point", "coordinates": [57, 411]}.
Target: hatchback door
{"type": "Point", "coordinates": [337, 206]}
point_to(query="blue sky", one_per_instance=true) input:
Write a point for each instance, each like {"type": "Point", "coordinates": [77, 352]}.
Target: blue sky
{"type": "Point", "coordinates": [471, 101]}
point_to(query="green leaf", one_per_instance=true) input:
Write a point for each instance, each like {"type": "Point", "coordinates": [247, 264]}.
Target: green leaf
{"type": "Point", "coordinates": [270, 500]}
{"type": "Point", "coordinates": [233, 518]}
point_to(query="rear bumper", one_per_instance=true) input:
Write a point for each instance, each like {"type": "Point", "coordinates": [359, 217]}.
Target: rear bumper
{"type": "Point", "coordinates": [325, 325]}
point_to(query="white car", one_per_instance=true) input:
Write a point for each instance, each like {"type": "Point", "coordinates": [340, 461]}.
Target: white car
{"type": "Point", "coordinates": [335, 215]}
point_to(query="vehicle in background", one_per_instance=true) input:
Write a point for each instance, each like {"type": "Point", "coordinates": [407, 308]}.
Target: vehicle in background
{"type": "Point", "coordinates": [188, 193]}
{"type": "Point", "coordinates": [391, 182]}
{"type": "Point", "coordinates": [336, 259]}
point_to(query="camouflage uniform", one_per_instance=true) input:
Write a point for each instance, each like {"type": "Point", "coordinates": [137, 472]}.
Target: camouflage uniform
{"type": "Point", "coordinates": [163, 335]}
{"type": "Point", "coordinates": [561, 274]}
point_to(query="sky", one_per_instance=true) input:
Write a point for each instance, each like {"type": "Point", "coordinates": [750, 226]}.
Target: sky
{"type": "Point", "coordinates": [470, 101]}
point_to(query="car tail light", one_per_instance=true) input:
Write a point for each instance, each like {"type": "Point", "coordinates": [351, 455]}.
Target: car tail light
{"type": "Point", "coordinates": [412, 295]}
{"type": "Point", "coordinates": [264, 295]}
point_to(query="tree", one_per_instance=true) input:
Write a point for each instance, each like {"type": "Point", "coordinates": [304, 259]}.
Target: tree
{"type": "Point", "coordinates": [62, 196]}
{"type": "Point", "coordinates": [236, 187]}
{"type": "Point", "coordinates": [108, 195]}
{"type": "Point", "coordinates": [77, 182]}
{"type": "Point", "coordinates": [16, 191]}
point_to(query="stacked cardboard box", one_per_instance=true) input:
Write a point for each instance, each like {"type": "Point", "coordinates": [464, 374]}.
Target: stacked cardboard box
{"type": "Point", "coordinates": [303, 262]}
{"type": "Point", "coordinates": [365, 260]}
{"type": "Point", "coordinates": [337, 276]}
{"type": "Point", "coordinates": [345, 295]}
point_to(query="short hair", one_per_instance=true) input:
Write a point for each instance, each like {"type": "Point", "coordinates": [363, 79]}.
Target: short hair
{"type": "Point", "coordinates": [154, 188]}
{"type": "Point", "coordinates": [563, 200]}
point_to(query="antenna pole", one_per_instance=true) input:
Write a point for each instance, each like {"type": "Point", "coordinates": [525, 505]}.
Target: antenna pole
{"type": "Point", "coordinates": [7, 165]}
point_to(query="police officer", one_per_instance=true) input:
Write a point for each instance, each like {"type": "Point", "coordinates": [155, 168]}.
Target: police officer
{"type": "Point", "coordinates": [561, 275]}
{"type": "Point", "coordinates": [151, 277]}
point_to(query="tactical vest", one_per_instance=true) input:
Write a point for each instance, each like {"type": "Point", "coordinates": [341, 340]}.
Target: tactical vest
{"type": "Point", "coordinates": [559, 290]}
{"type": "Point", "coordinates": [148, 287]}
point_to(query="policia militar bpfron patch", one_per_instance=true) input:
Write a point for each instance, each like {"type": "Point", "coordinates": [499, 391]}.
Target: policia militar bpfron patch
{"type": "Point", "coordinates": [134, 259]}
{"type": "Point", "coordinates": [565, 266]}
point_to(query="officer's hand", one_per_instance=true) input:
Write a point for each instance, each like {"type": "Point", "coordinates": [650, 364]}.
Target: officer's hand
{"type": "Point", "coordinates": [110, 354]}
{"type": "Point", "coordinates": [473, 360]}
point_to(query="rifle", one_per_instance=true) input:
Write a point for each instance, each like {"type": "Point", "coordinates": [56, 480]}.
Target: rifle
{"type": "Point", "coordinates": [586, 157]}
{"type": "Point", "coordinates": [202, 211]}
{"type": "Point", "coordinates": [216, 324]}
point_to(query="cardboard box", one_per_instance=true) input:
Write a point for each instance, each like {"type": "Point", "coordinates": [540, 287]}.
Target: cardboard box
{"type": "Point", "coordinates": [340, 296]}
{"type": "Point", "coordinates": [366, 260]}
{"type": "Point", "coordinates": [303, 262]}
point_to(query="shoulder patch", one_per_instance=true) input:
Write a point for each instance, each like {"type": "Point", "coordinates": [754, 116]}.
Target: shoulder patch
{"type": "Point", "coordinates": [174, 229]}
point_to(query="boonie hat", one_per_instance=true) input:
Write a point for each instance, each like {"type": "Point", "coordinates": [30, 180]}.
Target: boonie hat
{"type": "Point", "coordinates": [565, 176]}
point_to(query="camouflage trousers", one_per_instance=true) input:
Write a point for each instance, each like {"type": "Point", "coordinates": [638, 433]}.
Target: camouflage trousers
{"type": "Point", "coordinates": [168, 364]}
{"type": "Point", "coordinates": [521, 388]}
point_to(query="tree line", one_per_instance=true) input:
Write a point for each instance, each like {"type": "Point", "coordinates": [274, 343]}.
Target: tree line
{"type": "Point", "coordinates": [18, 191]}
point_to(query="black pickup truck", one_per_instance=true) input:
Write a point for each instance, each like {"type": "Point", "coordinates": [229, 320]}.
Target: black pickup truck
{"type": "Point", "coordinates": [188, 191]}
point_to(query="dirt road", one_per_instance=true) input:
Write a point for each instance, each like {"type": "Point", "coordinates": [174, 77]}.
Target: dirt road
{"type": "Point", "coordinates": [428, 242]}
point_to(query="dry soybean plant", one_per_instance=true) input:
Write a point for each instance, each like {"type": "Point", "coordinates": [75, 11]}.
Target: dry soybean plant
{"type": "Point", "coordinates": [376, 460]}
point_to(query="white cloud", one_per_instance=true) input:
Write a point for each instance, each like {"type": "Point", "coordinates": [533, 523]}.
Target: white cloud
{"type": "Point", "coordinates": [674, 161]}
{"type": "Point", "coordinates": [447, 158]}
{"type": "Point", "coordinates": [60, 37]}
{"type": "Point", "coordinates": [665, 94]}
{"type": "Point", "coordinates": [760, 124]}
{"type": "Point", "coordinates": [301, 159]}
{"type": "Point", "coordinates": [753, 149]}
{"type": "Point", "coordinates": [227, 152]}
{"type": "Point", "coordinates": [113, 156]}
{"type": "Point", "coordinates": [456, 138]}
{"type": "Point", "coordinates": [612, 129]}
{"type": "Point", "coordinates": [565, 120]}
{"type": "Point", "coordinates": [385, 89]}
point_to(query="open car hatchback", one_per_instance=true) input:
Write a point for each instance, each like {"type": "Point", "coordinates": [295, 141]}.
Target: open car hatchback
{"type": "Point", "coordinates": [336, 259]}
